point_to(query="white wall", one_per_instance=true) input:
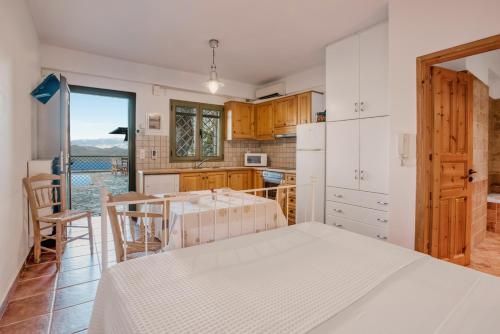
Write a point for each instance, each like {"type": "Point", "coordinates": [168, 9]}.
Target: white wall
{"type": "Point", "coordinates": [19, 74]}
{"type": "Point", "coordinates": [417, 28]}
{"type": "Point", "coordinates": [146, 102]}
{"type": "Point", "coordinates": [310, 79]}
{"type": "Point", "coordinates": [67, 60]}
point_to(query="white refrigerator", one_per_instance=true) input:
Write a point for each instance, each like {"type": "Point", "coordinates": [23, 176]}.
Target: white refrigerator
{"type": "Point", "coordinates": [311, 143]}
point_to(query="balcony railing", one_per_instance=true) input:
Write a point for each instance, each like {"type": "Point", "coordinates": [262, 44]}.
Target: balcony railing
{"type": "Point", "coordinates": [90, 173]}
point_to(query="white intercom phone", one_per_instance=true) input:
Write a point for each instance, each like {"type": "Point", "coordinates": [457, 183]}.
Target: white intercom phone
{"type": "Point", "coordinates": [404, 147]}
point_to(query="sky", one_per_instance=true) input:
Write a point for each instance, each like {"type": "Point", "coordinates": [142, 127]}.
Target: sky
{"type": "Point", "coordinates": [94, 116]}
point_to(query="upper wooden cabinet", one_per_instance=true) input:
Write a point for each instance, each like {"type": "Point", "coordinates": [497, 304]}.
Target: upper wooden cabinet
{"type": "Point", "coordinates": [239, 179]}
{"type": "Point", "coordinates": [285, 111]}
{"type": "Point", "coordinates": [264, 121]}
{"type": "Point", "coordinates": [271, 119]}
{"type": "Point", "coordinates": [356, 75]}
{"type": "Point", "coordinates": [304, 107]}
{"type": "Point", "coordinates": [239, 120]}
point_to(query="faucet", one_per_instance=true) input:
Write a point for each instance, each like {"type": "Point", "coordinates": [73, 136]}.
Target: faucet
{"type": "Point", "coordinates": [198, 165]}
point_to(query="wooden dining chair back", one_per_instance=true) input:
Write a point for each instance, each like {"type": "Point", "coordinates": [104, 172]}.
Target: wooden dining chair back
{"type": "Point", "coordinates": [47, 192]}
{"type": "Point", "coordinates": [134, 231]}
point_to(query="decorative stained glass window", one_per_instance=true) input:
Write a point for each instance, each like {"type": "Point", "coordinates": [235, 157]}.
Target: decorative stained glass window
{"type": "Point", "coordinates": [196, 131]}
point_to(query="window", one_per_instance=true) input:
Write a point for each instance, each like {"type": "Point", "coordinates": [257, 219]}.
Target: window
{"type": "Point", "coordinates": [196, 131]}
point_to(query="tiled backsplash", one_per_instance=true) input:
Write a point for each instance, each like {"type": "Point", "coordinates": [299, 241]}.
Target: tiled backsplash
{"type": "Point", "coordinates": [280, 153]}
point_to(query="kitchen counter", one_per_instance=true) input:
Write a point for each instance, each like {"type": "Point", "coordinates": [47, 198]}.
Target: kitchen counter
{"type": "Point", "coordinates": [159, 171]}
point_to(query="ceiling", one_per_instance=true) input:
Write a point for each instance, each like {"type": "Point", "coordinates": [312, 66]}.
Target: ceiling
{"type": "Point", "coordinates": [260, 40]}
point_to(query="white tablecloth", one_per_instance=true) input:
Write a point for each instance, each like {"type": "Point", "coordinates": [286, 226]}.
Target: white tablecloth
{"type": "Point", "coordinates": [206, 219]}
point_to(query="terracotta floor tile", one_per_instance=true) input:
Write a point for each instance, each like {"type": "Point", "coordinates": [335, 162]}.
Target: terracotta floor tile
{"type": "Point", "coordinates": [79, 262]}
{"type": "Point", "coordinates": [45, 257]}
{"type": "Point", "coordinates": [72, 319]}
{"type": "Point", "coordinates": [34, 286]}
{"type": "Point", "coordinates": [78, 276]}
{"type": "Point", "coordinates": [22, 309]}
{"type": "Point", "coordinates": [485, 257]}
{"type": "Point", "coordinates": [38, 270]}
{"type": "Point", "coordinates": [37, 325]}
{"type": "Point", "coordinates": [75, 294]}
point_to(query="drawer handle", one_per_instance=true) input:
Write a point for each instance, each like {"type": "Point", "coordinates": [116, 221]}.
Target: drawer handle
{"type": "Point", "coordinates": [337, 210]}
{"type": "Point", "coordinates": [337, 195]}
{"type": "Point", "coordinates": [382, 203]}
{"type": "Point", "coordinates": [382, 220]}
{"type": "Point", "coordinates": [381, 237]}
{"type": "Point", "coordinates": [338, 225]}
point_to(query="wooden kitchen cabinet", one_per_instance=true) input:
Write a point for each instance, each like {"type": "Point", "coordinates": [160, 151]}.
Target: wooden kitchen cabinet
{"type": "Point", "coordinates": [239, 179]}
{"type": "Point", "coordinates": [285, 112]}
{"type": "Point", "coordinates": [258, 182]}
{"type": "Point", "coordinates": [304, 106]}
{"type": "Point", "coordinates": [239, 118]}
{"type": "Point", "coordinates": [215, 180]}
{"type": "Point", "coordinates": [191, 182]}
{"type": "Point", "coordinates": [264, 121]}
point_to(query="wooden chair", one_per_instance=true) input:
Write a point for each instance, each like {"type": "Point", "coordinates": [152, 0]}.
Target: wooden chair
{"type": "Point", "coordinates": [133, 244]}
{"type": "Point", "coordinates": [49, 191]}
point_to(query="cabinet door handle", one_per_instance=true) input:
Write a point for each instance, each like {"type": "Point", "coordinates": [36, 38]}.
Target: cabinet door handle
{"type": "Point", "coordinates": [381, 237]}
{"type": "Point", "coordinates": [337, 210]}
{"type": "Point", "coordinates": [337, 195]}
{"type": "Point", "coordinates": [382, 203]}
{"type": "Point", "coordinates": [355, 174]}
{"type": "Point", "coordinates": [337, 225]}
{"type": "Point", "coordinates": [355, 106]}
{"type": "Point", "coordinates": [362, 106]}
{"type": "Point", "coordinates": [361, 174]}
{"type": "Point", "coordinates": [382, 220]}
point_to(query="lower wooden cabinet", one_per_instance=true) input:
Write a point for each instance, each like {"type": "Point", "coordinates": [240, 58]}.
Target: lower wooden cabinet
{"type": "Point", "coordinates": [239, 179]}
{"type": "Point", "coordinates": [258, 182]}
{"type": "Point", "coordinates": [191, 182]}
{"type": "Point", "coordinates": [215, 180]}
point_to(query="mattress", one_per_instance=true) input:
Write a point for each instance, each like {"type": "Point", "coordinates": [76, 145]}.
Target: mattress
{"type": "Point", "coordinates": [304, 278]}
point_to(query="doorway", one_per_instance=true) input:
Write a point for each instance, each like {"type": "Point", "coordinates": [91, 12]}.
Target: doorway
{"type": "Point", "coordinates": [102, 145]}
{"type": "Point", "coordinates": [452, 150]}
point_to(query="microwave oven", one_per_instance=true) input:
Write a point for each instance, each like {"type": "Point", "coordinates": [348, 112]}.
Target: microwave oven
{"type": "Point", "coordinates": [256, 159]}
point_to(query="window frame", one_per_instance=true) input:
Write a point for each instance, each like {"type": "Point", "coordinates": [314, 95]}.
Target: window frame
{"type": "Point", "coordinates": [199, 119]}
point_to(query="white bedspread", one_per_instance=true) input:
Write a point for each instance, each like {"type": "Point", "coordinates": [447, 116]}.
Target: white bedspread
{"type": "Point", "coordinates": [308, 277]}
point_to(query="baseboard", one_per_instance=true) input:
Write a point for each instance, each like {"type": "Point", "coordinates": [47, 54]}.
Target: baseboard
{"type": "Point", "coordinates": [5, 302]}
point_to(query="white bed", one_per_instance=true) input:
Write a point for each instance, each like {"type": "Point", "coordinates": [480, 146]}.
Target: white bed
{"type": "Point", "coordinates": [304, 278]}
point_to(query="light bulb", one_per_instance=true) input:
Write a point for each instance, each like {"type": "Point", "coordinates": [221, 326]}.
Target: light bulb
{"type": "Point", "coordinates": [213, 86]}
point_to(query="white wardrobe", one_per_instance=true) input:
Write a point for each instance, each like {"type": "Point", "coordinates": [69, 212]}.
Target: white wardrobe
{"type": "Point", "coordinates": [358, 128]}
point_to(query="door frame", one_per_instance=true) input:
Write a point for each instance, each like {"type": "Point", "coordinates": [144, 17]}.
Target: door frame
{"type": "Point", "coordinates": [131, 122]}
{"type": "Point", "coordinates": [425, 127]}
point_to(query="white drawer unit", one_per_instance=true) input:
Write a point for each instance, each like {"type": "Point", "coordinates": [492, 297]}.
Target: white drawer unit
{"type": "Point", "coordinates": [158, 183]}
{"type": "Point", "coordinates": [359, 198]}
{"type": "Point", "coordinates": [357, 213]}
{"type": "Point", "coordinates": [378, 232]}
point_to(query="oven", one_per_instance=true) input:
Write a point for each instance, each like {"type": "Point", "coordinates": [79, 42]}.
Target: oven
{"type": "Point", "coordinates": [272, 179]}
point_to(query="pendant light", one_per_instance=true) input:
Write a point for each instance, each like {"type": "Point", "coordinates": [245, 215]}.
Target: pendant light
{"type": "Point", "coordinates": [213, 83]}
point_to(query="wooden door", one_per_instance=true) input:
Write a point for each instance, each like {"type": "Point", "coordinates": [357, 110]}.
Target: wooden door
{"type": "Point", "coordinates": [342, 154]}
{"type": "Point", "coordinates": [192, 182]}
{"type": "Point", "coordinates": [304, 108]}
{"type": "Point", "coordinates": [342, 79]}
{"type": "Point", "coordinates": [373, 71]}
{"type": "Point", "coordinates": [239, 180]}
{"type": "Point", "coordinates": [215, 180]}
{"type": "Point", "coordinates": [264, 121]}
{"type": "Point", "coordinates": [451, 166]}
{"type": "Point", "coordinates": [374, 136]}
